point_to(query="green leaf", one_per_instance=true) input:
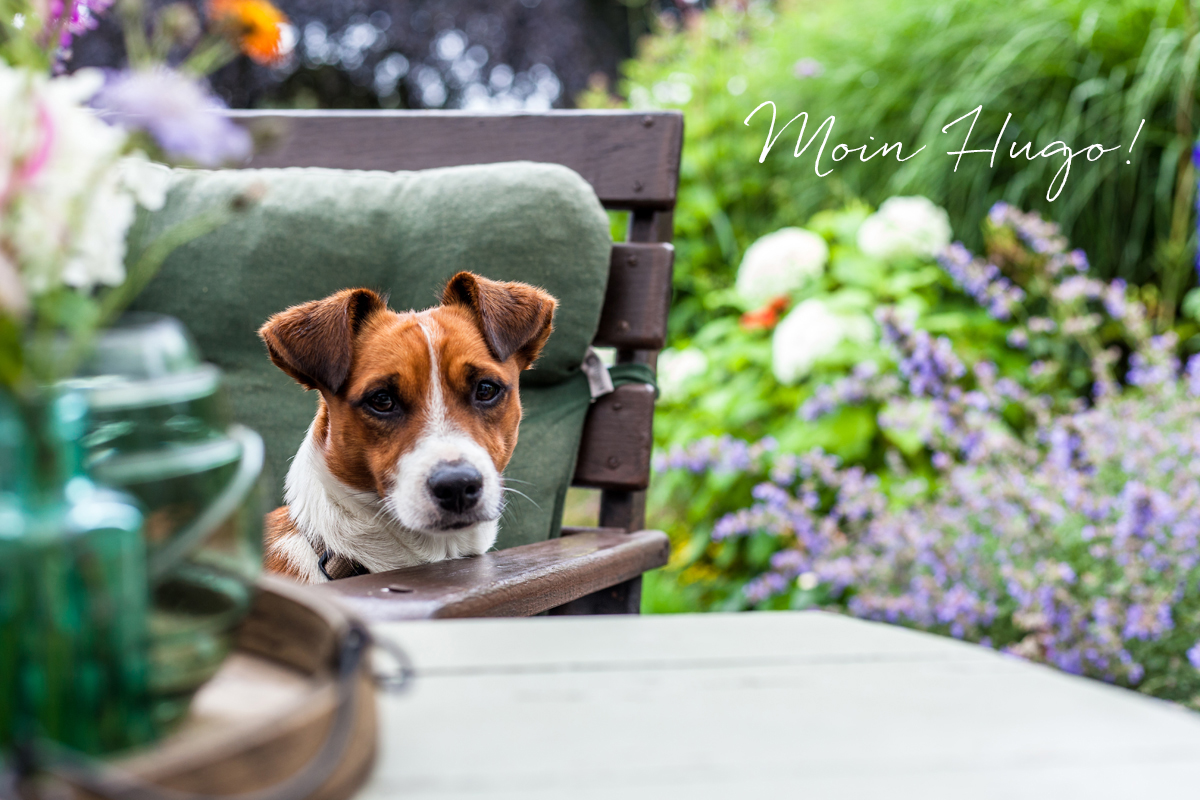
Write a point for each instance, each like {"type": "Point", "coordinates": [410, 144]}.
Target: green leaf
{"type": "Point", "coordinates": [852, 268]}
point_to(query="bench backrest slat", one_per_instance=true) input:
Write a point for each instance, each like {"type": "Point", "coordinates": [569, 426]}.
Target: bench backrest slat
{"type": "Point", "coordinates": [638, 297]}
{"type": "Point", "coordinates": [631, 159]}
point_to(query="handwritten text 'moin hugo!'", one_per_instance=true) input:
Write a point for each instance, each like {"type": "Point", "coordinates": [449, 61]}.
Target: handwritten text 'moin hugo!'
{"type": "Point", "coordinates": [841, 152]}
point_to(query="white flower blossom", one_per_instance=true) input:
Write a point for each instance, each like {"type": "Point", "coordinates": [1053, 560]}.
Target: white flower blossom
{"type": "Point", "coordinates": [780, 263]}
{"type": "Point", "coordinates": [676, 368]}
{"type": "Point", "coordinates": [66, 202]}
{"type": "Point", "coordinates": [147, 180]}
{"type": "Point", "coordinates": [905, 226]}
{"type": "Point", "coordinates": [809, 333]}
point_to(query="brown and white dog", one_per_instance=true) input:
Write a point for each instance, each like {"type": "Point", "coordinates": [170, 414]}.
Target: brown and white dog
{"type": "Point", "coordinates": [417, 418]}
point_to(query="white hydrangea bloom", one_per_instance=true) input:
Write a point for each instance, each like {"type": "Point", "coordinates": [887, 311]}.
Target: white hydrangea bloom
{"type": "Point", "coordinates": [810, 332]}
{"type": "Point", "coordinates": [780, 263]}
{"type": "Point", "coordinates": [905, 226]}
{"type": "Point", "coordinates": [65, 202]}
{"type": "Point", "coordinates": [676, 368]}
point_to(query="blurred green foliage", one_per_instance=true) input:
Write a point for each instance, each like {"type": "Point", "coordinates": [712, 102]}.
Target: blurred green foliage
{"type": "Point", "coordinates": [1077, 71]}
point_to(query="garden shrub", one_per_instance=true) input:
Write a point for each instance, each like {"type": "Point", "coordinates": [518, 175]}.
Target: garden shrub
{"type": "Point", "coordinates": [1051, 512]}
{"type": "Point", "coordinates": [1030, 307]}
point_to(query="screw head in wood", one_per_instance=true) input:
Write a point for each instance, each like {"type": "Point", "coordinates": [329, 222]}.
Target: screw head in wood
{"type": "Point", "coordinates": [613, 462]}
{"type": "Point", "coordinates": [647, 121]}
{"type": "Point", "coordinates": [631, 260]}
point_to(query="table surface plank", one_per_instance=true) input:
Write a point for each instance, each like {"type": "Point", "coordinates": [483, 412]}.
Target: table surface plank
{"type": "Point", "coordinates": [729, 706]}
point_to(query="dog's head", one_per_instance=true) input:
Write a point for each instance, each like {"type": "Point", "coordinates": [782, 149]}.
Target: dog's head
{"type": "Point", "coordinates": [420, 408]}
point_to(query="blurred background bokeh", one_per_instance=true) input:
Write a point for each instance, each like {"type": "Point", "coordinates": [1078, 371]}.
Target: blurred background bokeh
{"type": "Point", "coordinates": [474, 54]}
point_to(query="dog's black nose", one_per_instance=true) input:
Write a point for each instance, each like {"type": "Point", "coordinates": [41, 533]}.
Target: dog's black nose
{"type": "Point", "coordinates": [456, 487]}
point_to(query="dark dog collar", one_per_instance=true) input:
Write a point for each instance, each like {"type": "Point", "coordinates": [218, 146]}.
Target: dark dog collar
{"type": "Point", "coordinates": [334, 566]}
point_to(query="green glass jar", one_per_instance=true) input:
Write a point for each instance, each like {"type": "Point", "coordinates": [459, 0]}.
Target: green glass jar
{"type": "Point", "coordinates": [74, 627]}
{"type": "Point", "coordinates": [160, 430]}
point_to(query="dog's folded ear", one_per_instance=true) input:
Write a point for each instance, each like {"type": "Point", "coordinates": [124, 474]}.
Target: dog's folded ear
{"type": "Point", "coordinates": [515, 318]}
{"type": "Point", "coordinates": [314, 342]}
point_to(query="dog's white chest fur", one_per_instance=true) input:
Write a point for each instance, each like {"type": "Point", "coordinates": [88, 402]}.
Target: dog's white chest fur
{"type": "Point", "coordinates": [358, 525]}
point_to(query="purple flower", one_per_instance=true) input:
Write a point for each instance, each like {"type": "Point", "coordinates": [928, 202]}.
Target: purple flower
{"type": "Point", "coordinates": [981, 280]}
{"type": "Point", "coordinates": [1114, 299]}
{"type": "Point", "coordinates": [864, 383]}
{"type": "Point", "coordinates": [82, 18]}
{"type": "Point", "coordinates": [927, 364]}
{"type": "Point", "coordinates": [183, 118]}
{"type": "Point", "coordinates": [1193, 375]}
{"type": "Point", "coordinates": [1041, 236]}
{"type": "Point", "coordinates": [1193, 655]}
{"type": "Point", "coordinates": [1156, 364]}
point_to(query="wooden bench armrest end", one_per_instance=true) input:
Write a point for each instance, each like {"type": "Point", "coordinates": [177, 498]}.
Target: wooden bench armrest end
{"type": "Point", "coordinates": [517, 582]}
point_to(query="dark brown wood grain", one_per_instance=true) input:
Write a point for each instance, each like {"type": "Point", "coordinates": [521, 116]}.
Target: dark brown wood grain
{"type": "Point", "coordinates": [519, 581]}
{"type": "Point", "coordinates": [614, 452]}
{"type": "Point", "coordinates": [638, 297]}
{"type": "Point", "coordinates": [623, 598]}
{"type": "Point", "coordinates": [631, 158]}
{"type": "Point", "coordinates": [623, 509]}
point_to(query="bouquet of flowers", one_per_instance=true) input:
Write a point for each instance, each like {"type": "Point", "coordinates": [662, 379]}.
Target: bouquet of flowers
{"type": "Point", "coordinates": [75, 161]}
{"type": "Point", "coordinates": [76, 606]}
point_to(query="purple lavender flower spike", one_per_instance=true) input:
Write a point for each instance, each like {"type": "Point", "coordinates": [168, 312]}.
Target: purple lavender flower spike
{"type": "Point", "coordinates": [1038, 234]}
{"type": "Point", "coordinates": [181, 116]}
{"type": "Point", "coordinates": [1193, 375]}
{"type": "Point", "coordinates": [928, 365]}
{"type": "Point", "coordinates": [981, 280]}
{"type": "Point", "coordinates": [1193, 655]}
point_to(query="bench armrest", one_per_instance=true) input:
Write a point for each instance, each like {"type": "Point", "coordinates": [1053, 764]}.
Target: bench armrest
{"type": "Point", "coordinates": [517, 582]}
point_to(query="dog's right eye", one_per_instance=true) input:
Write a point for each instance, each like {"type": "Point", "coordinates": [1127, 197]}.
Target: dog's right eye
{"type": "Point", "coordinates": [381, 403]}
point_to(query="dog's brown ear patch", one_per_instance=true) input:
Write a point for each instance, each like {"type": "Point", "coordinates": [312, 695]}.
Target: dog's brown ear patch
{"type": "Point", "coordinates": [516, 319]}
{"type": "Point", "coordinates": [314, 342]}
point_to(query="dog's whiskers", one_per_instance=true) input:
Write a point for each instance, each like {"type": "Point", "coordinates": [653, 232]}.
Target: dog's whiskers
{"type": "Point", "coordinates": [522, 494]}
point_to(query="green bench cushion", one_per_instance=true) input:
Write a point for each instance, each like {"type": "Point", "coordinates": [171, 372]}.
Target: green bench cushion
{"type": "Point", "coordinates": [315, 231]}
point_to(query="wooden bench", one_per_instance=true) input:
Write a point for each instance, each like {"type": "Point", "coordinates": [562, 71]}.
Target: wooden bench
{"type": "Point", "coordinates": [631, 159]}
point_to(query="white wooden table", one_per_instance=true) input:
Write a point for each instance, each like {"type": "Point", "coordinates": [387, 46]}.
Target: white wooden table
{"type": "Point", "coordinates": [785, 705]}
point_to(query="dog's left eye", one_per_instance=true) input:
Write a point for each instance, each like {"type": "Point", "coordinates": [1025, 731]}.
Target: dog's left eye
{"type": "Point", "coordinates": [382, 402]}
{"type": "Point", "coordinates": [486, 391]}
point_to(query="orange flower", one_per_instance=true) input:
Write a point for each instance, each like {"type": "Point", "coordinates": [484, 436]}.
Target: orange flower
{"type": "Point", "coordinates": [766, 317]}
{"type": "Point", "coordinates": [255, 25]}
